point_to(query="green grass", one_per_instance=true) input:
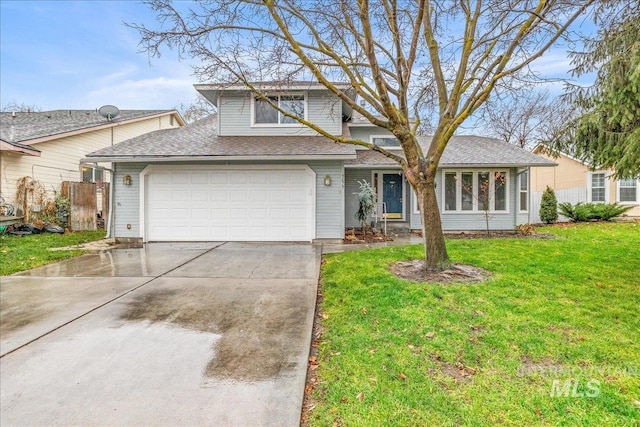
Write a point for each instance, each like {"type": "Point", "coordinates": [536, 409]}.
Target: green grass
{"type": "Point", "coordinates": [26, 252]}
{"type": "Point", "coordinates": [392, 351]}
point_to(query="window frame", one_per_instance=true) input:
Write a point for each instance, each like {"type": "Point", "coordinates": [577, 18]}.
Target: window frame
{"type": "Point", "coordinates": [476, 208]}
{"type": "Point", "coordinates": [590, 186]}
{"type": "Point", "coordinates": [398, 147]}
{"type": "Point", "coordinates": [99, 185]}
{"type": "Point", "coordinates": [524, 174]}
{"type": "Point", "coordinates": [305, 99]}
{"type": "Point", "coordinates": [637, 187]}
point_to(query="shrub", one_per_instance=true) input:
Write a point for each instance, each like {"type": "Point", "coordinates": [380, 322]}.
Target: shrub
{"type": "Point", "coordinates": [581, 212]}
{"type": "Point", "coordinates": [549, 206]}
{"type": "Point", "coordinates": [366, 203]}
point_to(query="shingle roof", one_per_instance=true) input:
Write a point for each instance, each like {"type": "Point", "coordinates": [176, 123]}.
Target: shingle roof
{"type": "Point", "coordinates": [199, 139]}
{"type": "Point", "coordinates": [464, 150]}
{"type": "Point", "coordinates": [33, 125]}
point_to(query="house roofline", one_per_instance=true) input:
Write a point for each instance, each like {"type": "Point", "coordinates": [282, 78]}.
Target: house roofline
{"type": "Point", "coordinates": [457, 166]}
{"type": "Point", "coordinates": [560, 153]}
{"type": "Point", "coordinates": [18, 148]}
{"type": "Point", "coordinates": [139, 159]}
{"type": "Point", "coordinates": [100, 127]}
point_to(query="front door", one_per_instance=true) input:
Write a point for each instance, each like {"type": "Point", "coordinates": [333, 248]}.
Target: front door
{"type": "Point", "coordinates": [392, 192]}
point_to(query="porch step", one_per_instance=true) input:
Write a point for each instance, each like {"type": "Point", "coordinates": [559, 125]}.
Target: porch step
{"type": "Point", "coordinates": [395, 227]}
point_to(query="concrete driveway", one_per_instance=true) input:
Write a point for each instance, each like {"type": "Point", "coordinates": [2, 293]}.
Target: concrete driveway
{"type": "Point", "coordinates": [172, 334]}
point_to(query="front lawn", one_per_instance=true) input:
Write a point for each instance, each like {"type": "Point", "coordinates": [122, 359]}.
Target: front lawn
{"type": "Point", "coordinates": [553, 338]}
{"type": "Point", "coordinates": [26, 252]}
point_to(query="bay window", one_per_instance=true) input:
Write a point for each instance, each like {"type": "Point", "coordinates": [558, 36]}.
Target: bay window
{"type": "Point", "coordinates": [467, 191]}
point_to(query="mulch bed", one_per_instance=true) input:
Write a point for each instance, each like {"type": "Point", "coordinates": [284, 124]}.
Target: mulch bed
{"type": "Point", "coordinates": [492, 235]}
{"type": "Point", "coordinates": [356, 236]}
{"type": "Point", "coordinates": [458, 273]}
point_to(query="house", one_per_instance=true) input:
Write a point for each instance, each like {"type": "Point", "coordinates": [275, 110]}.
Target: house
{"type": "Point", "coordinates": [252, 174]}
{"type": "Point", "coordinates": [49, 145]}
{"type": "Point", "coordinates": [575, 181]}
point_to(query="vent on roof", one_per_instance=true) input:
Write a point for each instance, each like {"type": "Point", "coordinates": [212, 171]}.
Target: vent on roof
{"type": "Point", "coordinates": [109, 112]}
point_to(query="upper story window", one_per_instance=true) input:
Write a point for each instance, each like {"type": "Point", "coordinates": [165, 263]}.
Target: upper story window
{"type": "Point", "coordinates": [385, 141]}
{"type": "Point", "coordinates": [265, 114]}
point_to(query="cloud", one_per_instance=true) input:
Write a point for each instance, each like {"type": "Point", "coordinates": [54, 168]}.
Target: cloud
{"type": "Point", "coordinates": [149, 93]}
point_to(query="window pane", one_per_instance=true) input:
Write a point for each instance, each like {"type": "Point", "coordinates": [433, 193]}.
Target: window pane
{"type": "Point", "coordinates": [386, 142]}
{"type": "Point", "coordinates": [467, 191]}
{"type": "Point", "coordinates": [87, 174]}
{"type": "Point", "coordinates": [597, 194]}
{"type": "Point", "coordinates": [524, 182]}
{"type": "Point", "coordinates": [628, 195]}
{"type": "Point", "coordinates": [483, 190]}
{"type": "Point", "coordinates": [523, 200]}
{"type": "Point", "coordinates": [293, 105]}
{"type": "Point", "coordinates": [500, 193]}
{"type": "Point", "coordinates": [450, 191]}
{"type": "Point", "coordinates": [264, 112]}
{"type": "Point", "coordinates": [597, 180]}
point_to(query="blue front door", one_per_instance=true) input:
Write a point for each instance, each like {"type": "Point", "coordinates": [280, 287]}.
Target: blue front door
{"type": "Point", "coordinates": [392, 194]}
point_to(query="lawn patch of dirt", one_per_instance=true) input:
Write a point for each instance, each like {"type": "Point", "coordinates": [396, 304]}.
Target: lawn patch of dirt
{"type": "Point", "coordinates": [458, 273]}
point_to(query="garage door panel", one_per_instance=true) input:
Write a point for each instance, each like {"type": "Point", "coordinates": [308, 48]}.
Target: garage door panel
{"type": "Point", "coordinates": [269, 204]}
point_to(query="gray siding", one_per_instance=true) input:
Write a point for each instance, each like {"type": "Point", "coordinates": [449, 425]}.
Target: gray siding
{"type": "Point", "coordinates": [329, 199]}
{"type": "Point", "coordinates": [126, 209]}
{"type": "Point", "coordinates": [234, 116]}
{"type": "Point", "coordinates": [351, 186]}
{"type": "Point", "coordinates": [363, 133]}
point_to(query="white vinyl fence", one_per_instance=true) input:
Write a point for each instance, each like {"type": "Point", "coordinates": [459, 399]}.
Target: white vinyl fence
{"type": "Point", "coordinates": [571, 195]}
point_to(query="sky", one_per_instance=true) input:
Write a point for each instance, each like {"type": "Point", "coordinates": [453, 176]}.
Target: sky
{"type": "Point", "coordinates": [80, 55]}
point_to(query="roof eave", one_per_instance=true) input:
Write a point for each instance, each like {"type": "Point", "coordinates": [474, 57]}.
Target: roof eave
{"type": "Point", "coordinates": [18, 148]}
{"type": "Point", "coordinates": [147, 159]}
{"type": "Point", "coordinates": [100, 127]}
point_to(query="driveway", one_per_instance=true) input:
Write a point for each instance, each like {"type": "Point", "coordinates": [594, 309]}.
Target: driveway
{"type": "Point", "coordinates": [172, 334]}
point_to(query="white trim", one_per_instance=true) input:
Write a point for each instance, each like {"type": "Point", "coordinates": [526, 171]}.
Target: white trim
{"type": "Point", "coordinates": [637, 201]}
{"type": "Point", "coordinates": [475, 208]}
{"type": "Point", "coordinates": [414, 202]}
{"type": "Point", "coordinates": [519, 190]}
{"type": "Point", "coordinates": [305, 96]}
{"type": "Point", "coordinates": [590, 188]}
{"type": "Point", "coordinates": [380, 192]}
{"type": "Point", "coordinates": [150, 168]}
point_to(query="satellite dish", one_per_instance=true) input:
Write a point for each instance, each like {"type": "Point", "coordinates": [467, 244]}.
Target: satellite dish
{"type": "Point", "coordinates": [109, 112]}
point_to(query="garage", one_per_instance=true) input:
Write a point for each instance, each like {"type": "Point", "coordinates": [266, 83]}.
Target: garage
{"type": "Point", "coordinates": [228, 203]}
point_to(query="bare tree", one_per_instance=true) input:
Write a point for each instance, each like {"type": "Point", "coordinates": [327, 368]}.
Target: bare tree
{"type": "Point", "coordinates": [404, 59]}
{"type": "Point", "coordinates": [524, 119]}
{"type": "Point", "coordinates": [198, 109]}
{"type": "Point", "coordinates": [19, 107]}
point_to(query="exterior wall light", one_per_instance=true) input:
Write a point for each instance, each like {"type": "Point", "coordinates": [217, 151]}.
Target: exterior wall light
{"type": "Point", "coordinates": [126, 180]}
{"type": "Point", "coordinates": [327, 180]}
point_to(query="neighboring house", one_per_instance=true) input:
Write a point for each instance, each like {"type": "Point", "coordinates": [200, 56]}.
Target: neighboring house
{"type": "Point", "coordinates": [48, 145]}
{"type": "Point", "coordinates": [253, 174]}
{"type": "Point", "coordinates": [574, 181]}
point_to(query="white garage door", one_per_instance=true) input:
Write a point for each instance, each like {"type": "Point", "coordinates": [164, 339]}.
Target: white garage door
{"type": "Point", "coordinates": [229, 204]}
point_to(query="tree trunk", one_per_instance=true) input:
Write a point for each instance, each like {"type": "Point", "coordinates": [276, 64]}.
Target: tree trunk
{"type": "Point", "coordinates": [435, 249]}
